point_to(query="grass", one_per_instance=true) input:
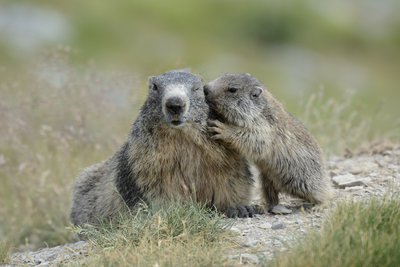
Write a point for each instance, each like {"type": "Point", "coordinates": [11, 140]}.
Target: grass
{"type": "Point", "coordinates": [4, 252]}
{"type": "Point", "coordinates": [356, 234]}
{"type": "Point", "coordinates": [176, 235]}
{"type": "Point", "coordinates": [322, 115]}
{"type": "Point", "coordinates": [47, 135]}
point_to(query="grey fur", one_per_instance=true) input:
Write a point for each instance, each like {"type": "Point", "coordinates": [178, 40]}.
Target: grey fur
{"type": "Point", "coordinates": [256, 125]}
{"type": "Point", "coordinates": [168, 156]}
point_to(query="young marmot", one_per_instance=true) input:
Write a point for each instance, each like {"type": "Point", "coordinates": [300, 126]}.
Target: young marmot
{"type": "Point", "coordinates": [168, 156]}
{"type": "Point", "coordinates": [256, 125]}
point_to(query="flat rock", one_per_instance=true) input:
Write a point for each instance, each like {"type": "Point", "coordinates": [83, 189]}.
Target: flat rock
{"type": "Point", "coordinates": [348, 180]}
{"type": "Point", "coordinates": [251, 243]}
{"type": "Point", "coordinates": [246, 258]}
{"type": "Point", "coordinates": [354, 188]}
{"type": "Point", "coordinates": [280, 209]}
{"type": "Point", "coordinates": [277, 225]}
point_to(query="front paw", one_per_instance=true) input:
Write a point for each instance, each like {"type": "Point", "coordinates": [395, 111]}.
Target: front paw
{"type": "Point", "coordinates": [243, 211]}
{"type": "Point", "coordinates": [217, 129]}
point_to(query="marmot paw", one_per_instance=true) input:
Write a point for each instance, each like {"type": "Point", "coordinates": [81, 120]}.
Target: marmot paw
{"type": "Point", "coordinates": [243, 211]}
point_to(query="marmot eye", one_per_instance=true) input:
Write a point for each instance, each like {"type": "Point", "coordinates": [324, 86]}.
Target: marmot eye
{"type": "Point", "coordinates": [196, 88]}
{"type": "Point", "coordinates": [232, 89]}
{"type": "Point", "coordinates": [155, 88]}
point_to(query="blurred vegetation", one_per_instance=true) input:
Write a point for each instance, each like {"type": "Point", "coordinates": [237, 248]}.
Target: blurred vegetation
{"type": "Point", "coordinates": [73, 75]}
{"type": "Point", "coordinates": [295, 47]}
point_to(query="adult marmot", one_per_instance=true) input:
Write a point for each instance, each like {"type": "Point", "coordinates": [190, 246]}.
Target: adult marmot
{"type": "Point", "coordinates": [168, 156]}
{"type": "Point", "coordinates": [256, 125]}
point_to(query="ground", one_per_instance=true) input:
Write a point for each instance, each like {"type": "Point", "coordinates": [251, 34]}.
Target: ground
{"type": "Point", "coordinates": [374, 172]}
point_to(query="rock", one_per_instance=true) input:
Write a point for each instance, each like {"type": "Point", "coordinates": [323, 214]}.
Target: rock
{"type": "Point", "coordinates": [277, 225]}
{"type": "Point", "coordinates": [265, 225]}
{"type": "Point", "coordinates": [251, 243]}
{"type": "Point", "coordinates": [249, 258]}
{"type": "Point", "coordinates": [246, 258]}
{"type": "Point", "coordinates": [332, 174]}
{"type": "Point", "coordinates": [348, 180]}
{"type": "Point", "coordinates": [298, 221]}
{"type": "Point", "coordinates": [307, 206]}
{"type": "Point", "coordinates": [280, 209]}
{"type": "Point", "coordinates": [235, 229]}
{"type": "Point", "coordinates": [354, 188]}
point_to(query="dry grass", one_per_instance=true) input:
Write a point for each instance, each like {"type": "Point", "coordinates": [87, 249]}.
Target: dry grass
{"type": "Point", "coordinates": [51, 127]}
{"type": "Point", "coordinates": [356, 234]}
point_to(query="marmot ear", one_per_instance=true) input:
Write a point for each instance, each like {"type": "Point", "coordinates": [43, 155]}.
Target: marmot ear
{"type": "Point", "coordinates": [256, 92]}
{"type": "Point", "coordinates": [151, 82]}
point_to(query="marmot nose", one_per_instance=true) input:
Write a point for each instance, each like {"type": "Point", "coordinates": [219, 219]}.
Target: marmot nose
{"type": "Point", "coordinates": [206, 90]}
{"type": "Point", "coordinates": [175, 105]}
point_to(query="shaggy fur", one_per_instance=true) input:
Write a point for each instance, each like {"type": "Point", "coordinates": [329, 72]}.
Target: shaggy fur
{"type": "Point", "coordinates": [256, 125]}
{"type": "Point", "coordinates": [168, 156]}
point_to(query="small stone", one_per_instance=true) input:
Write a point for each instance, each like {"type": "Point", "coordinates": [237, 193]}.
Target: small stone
{"type": "Point", "coordinates": [249, 258]}
{"type": "Point", "coordinates": [235, 229]}
{"type": "Point", "coordinates": [348, 180]}
{"type": "Point", "coordinates": [298, 221]}
{"type": "Point", "coordinates": [277, 225]}
{"type": "Point", "coordinates": [280, 209]}
{"type": "Point", "coordinates": [332, 174]}
{"type": "Point", "coordinates": [307, 206]}
{"type": "Point", "coordinates": [251, 243]}
{"type": "Point", "coordinates": [354, 188]}
{"type": "Point", "coordinates": [265, 225]}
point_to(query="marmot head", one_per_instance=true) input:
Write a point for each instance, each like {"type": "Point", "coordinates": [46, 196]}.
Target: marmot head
{"type": "Point", "coordinates": [176, 98]}
{"type": "Point", "coordinates": [237, 98]}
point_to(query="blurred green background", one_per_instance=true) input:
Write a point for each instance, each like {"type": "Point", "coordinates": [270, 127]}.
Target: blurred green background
{"type": "Point", "coordinates": [295, 47]}
{"type": "Point", "coordinates": [73, 75]}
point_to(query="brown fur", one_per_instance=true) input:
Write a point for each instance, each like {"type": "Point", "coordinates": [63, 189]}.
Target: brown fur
{"type": "Point", "coordinates": [168, 156]}
{"type": "Point", "coordinates": [257, 126]}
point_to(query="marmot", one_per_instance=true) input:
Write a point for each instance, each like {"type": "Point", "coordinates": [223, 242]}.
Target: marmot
{"type": "Point", "coordinates": [169, 155]}
{"type": "Point", "coordinates": [256, 125]}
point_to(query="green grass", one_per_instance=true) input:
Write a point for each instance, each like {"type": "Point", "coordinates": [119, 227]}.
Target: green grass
{"type": "Point", "coordinates": [356, 234]}
{"type": "Point", "coordinates": [5, 250]}
{"type": "Point", "coordinates": [175, 235]}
